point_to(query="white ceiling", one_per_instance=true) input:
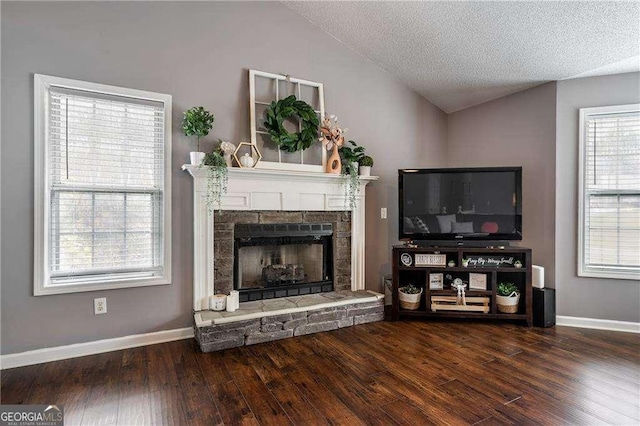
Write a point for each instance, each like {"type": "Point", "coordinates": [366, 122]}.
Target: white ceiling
{"type": "Point", "coordinates": [463, 53]}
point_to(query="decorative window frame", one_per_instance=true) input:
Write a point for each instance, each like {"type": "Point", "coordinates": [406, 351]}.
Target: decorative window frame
{"type": "Point", "coordinates": [584, 269]}
{"type": "Point", "coordinates": [42, 199]}
{"type": "Point", "coordinates": [252, 115]}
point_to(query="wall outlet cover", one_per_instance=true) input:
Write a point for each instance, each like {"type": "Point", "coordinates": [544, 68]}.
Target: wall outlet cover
{"type": "Point", "coordinates": [100, 306]}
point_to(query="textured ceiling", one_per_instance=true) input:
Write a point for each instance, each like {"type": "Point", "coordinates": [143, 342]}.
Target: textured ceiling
{"type": "Point", "coordinates": [460, 54]}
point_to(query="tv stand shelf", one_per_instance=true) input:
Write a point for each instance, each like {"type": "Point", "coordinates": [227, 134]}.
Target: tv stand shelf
{"type": "Point", "coordinates": [406, 272]}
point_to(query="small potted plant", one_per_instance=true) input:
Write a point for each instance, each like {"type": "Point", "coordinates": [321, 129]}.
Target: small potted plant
{"type": "Point", "coordinates": [507, 298]}
{"type": "Point", "coordinates": [366, 163]}
{"type": "Point", "coordinates": [217, 178]}
{"type": "Point", "coordinates": [465, 262]}
{"type": "Point", "coordinates": [409, 296]}
{"type": "Point", "coordinates": [517, 264]}
{"type": "Point", "coordinates": [352, 154]}
{"type": "Point", "coordinates": [197, 122]}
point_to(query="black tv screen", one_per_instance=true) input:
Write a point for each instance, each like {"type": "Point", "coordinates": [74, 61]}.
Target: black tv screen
{"type": "Point", "coordinates": [458, 204]}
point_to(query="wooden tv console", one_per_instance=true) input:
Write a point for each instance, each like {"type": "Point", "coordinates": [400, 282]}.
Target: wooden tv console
{"type": "Point", "coordinates": [492, 262]}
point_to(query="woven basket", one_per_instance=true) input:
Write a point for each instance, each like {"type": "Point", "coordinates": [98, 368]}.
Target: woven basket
{"type": "Point", "coordinates": [510, 306]}
{"type": "Point", "coordinates": [508, 309]}
{"type": "Point", "coordinates": [407, 304]}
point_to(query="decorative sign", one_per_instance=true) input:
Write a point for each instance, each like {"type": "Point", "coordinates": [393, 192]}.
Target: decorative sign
{"type": "Point", "coordinates": [405, 259]}
{"type": "Point", "coordinates": [436, 282]}
{"type": "Point", "coordinates": [431, 260]}
{"type": "Point", "coordinates": [483, 261]}
{"type": "Point", "coordinates": [477, 281]}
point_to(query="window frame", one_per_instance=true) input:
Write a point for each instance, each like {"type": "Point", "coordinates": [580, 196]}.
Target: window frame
{"type": "Point", "coordinates": [584, 269]}
{"type": "Point", "coordinates": [42, 197]}
{"type": "Point", "coordinates": [277, 78]}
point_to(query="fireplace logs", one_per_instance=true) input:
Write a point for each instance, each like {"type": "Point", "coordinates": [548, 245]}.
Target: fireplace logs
{"type": "Point", "coordinates": [275, 275]}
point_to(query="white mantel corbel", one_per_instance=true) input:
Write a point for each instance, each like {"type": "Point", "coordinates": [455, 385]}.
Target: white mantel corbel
{"type": "Point", "coordinates": [278, 190]}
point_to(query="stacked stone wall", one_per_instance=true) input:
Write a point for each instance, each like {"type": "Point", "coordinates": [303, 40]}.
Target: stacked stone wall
{"type": "Point", "coordinates": [248, 332]}
{"type": "Point", "coordinates": [223, 241]}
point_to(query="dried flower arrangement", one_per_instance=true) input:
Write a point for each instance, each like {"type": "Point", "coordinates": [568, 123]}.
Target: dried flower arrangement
{"type": "Point", "coordinates": [332, 133]}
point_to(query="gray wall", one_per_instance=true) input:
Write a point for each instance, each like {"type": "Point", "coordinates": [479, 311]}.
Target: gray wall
{"type": "Point", "coordinates": [517, 130]}
{"type": "Point", "coordinates": [586, 297]}
{"type": "Point", "coordinates": [200, 54]}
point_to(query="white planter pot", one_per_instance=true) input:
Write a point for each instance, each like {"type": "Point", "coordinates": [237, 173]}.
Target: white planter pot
{"type": "Point", "coordinates": [409, 301]}
{"type": "Point", "coordinates": [365, 170]}
{"type": "Point", "coordinates": [355, 165]}
{"type": "Point", "coordinates": [508, 304]}
{"type": "Point", "coordinates": [196, 158]}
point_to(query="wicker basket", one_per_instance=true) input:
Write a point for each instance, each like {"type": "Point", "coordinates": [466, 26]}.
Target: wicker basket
{"type": "Point", "coordinates": [408, 301]}
{"type": "Point", "coordinates": [507, 305]}
{"type": "Point", "coordinates": [508, 309]}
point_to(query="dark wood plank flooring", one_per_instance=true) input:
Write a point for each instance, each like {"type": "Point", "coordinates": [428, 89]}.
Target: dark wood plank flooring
{"type": "Point", "coordinates": [384, 373]}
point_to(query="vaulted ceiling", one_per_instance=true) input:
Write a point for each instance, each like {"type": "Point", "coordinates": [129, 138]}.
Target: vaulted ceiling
{"type": "Point", "coordinates": [462, 53]}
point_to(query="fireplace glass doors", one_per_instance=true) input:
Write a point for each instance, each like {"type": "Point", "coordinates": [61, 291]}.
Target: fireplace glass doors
{"type": "Point", "coordinates": [279, 260]}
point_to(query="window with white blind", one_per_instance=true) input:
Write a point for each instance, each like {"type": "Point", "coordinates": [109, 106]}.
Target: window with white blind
{"type": "Point", "coordinates": [609, 210]}
{"type": "Point", "coordinates": [102, 187]}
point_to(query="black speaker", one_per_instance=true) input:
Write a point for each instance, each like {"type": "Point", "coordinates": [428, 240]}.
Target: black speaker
{"type": "Point", "coordinates": [544, 307]}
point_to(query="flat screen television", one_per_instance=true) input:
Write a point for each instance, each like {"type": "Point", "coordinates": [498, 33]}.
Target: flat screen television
{"type": "Point", "coordinates": [457, 204]}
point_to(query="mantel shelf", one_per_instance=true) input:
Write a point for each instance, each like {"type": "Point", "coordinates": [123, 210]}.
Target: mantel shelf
{"type": "Point", "coordinates": [201, 172]}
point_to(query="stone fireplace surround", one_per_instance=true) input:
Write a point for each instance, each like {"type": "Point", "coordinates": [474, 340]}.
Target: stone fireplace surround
{"type": "Point", "coordinates": [223, 240]}
{"type": "Point", "coordinates": [277, 196]}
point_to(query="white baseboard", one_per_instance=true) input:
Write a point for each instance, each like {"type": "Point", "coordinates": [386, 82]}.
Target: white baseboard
{"type": "Point", "coordinates": [598, 324]}
{"type": "Point", "coordinates": [39, 356]}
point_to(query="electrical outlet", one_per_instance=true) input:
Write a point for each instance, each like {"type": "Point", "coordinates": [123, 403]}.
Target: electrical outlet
{"type": "Point", "coordinates": [383, 213]}
{"type": "Point", "coordinates": [100, 306]}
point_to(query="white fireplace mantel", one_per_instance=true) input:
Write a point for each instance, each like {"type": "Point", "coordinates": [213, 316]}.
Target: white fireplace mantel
{"type": "Point", "coordinates": [278, 190]}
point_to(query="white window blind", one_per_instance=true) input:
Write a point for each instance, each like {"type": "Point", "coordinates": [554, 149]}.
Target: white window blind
{"type": "Point", "coordinates": [105, 188]}
{"type": "Point", "coordinates": [610, 196]}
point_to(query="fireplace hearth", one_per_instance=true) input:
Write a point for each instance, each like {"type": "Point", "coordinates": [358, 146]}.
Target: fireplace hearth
{"type": "Point", "coordinates": [282, 260]}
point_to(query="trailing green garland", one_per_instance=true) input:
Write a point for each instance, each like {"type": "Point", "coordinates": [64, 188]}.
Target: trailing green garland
{"type": "Point", "coordinates": [279, 111]}
{"type": "Point", "coordinates": [217, 179]}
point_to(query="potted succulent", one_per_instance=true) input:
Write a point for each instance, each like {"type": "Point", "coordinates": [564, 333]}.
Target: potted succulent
{"type": "Point", "coordinates": [197, 122]}
{"type": "Point", "coordinates": [217, 178]}
{"type": "Point", "coordinates": [366, 163]}
{"type": "Point", "coordinates": [507, 298]}
{"type": "Point", "coordinates": [465, 263]}
{"type": "Point", "coordinates": [409, 296]}
{"type": "Point", "coordinates": [517, 264]}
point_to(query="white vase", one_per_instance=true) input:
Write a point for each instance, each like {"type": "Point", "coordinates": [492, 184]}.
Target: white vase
{"type": "Point", "coordinates": [365, 170]}
{"type": "Point", "coordinates": [196, 158]}
{"type": "Point", "coordinates": [228, 160]}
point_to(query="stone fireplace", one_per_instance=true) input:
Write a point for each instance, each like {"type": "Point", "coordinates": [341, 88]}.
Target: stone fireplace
{"type": "Point", "coordinates": [266, 254]}
{"type": "Point", "coordinates": [272, 197]}
{"type": "Point", "coordinates": [292, 245]}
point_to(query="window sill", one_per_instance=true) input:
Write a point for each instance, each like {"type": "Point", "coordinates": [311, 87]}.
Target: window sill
{"type": "Point", "coordinates": [50, 289]}
{"type": "Point", "coordinates": [611, 275]}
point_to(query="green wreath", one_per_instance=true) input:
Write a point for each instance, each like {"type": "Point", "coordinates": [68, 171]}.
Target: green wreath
{"type": "Point", "coordinates": [279, 111]}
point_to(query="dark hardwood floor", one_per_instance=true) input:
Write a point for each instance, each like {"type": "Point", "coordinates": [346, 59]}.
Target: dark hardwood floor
{"type": "Point", "coordinates": [383, 373]}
